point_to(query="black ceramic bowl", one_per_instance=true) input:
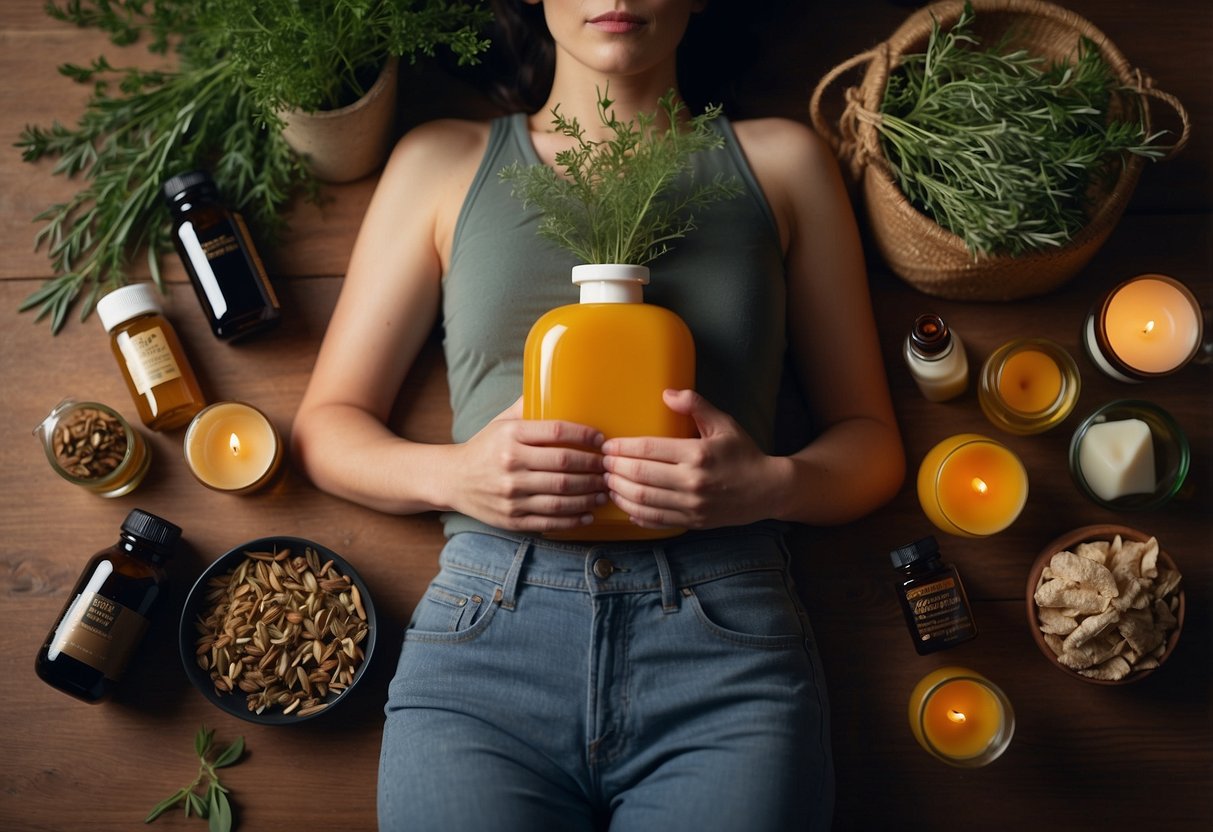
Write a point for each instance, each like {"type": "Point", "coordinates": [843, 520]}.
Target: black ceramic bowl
{"type": "Point", "coordinates": [236, 702]}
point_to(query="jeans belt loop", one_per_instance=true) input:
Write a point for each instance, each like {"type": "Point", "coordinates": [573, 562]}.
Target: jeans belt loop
{"type": "Point", "coordinates": [509, 591]}
{"type": "Point", "coordinates": [669, 593]}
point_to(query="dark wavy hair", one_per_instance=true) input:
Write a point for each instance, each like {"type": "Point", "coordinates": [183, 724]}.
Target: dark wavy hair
{"type": "Point", "coordinates": [721, 42]}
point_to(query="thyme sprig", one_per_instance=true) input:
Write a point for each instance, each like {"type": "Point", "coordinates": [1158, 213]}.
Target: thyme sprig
{"type": "Point", "coordinates": [614, 203]}
{"type": "Point", "coordinates": [212, 803]}
{"type": "Point", "coordinates": [1000, 147]}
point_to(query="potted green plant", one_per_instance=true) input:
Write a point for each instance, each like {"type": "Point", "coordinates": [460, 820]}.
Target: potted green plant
{"type": "Point", "coordinates": [616, 204]}
{"type": "Point", "coordinates": [215, 109]}
{"type": "Point", "coordinates": [328, 70]}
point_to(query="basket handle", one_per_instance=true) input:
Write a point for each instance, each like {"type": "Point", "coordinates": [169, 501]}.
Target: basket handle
{"type": "Point", "coordinates": [1145, 86]}
{"type": "Point", "coordinates": [845, 141]}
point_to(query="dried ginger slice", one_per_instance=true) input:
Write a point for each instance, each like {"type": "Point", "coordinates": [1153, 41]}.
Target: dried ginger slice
{"type": "Point", "coordinates": [1084, 572]}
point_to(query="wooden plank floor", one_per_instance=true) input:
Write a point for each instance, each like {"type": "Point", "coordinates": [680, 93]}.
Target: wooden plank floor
{"type": "Point", "coordinates": [1084, 757]}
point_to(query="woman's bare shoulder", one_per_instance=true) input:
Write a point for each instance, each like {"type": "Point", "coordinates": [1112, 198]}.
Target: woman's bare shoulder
{"type": "Point", "coordinates": [775, 144]}
{"type": "Point", "coordinates": [439, 149]}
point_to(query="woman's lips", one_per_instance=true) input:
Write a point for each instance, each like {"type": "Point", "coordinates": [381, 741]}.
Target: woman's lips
{"type": "Point", "coordinates": [617, 22]}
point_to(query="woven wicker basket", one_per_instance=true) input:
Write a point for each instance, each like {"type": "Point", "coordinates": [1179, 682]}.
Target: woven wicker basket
{"type": "Point", "coordinates": [922, 253]}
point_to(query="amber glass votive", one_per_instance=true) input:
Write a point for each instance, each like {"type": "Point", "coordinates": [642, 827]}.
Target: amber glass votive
{"type": "Point", "coordinates": [961, 717]}
{"type": "Point", "coordinates": [1129, 455]}
{"type": "Point", "coordinates": [233, 447]}
{"type": "Point", "coordinates": [972, 486]}
{"type": "Point", "coordinates": [1028, 385]}
{"type": "Point", "coordinates": [90, 445]}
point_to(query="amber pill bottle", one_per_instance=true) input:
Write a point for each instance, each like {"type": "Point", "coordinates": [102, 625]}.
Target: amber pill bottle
{"type": "Point", "coordinates": [218, 254]}
{"type": "Point", "coordinates": [932, 597]}
{"type": "Point", "coordinates": [149, 353]}
{"type": "Point", "coordinates": [107, 612]}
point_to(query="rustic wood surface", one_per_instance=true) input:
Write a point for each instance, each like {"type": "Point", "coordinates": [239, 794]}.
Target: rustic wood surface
{"type": "Point", "coordinates": [1083, 757]}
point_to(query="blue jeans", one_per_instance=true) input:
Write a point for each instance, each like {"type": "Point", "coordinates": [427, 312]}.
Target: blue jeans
{"type": "Point", "coordinates": [660, 685]}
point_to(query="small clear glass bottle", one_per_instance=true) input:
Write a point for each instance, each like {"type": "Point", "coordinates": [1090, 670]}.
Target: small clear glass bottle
{"type": "Point", "coordinates": [92, 446]}
{"type": "Point", "coordinates": [86, 652]}
{"type": "Point", "coordinates": [218, 254]}
{"type": "Point", "coordinates": [932, 597]}
{"type": "Point", "coordinates": [149, 353]}
{"type": "Point", "coordinates": [936, 358]}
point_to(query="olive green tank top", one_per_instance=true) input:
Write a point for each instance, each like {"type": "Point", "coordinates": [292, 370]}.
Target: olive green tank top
{"type": "Point", "coordinates": [725, 279]}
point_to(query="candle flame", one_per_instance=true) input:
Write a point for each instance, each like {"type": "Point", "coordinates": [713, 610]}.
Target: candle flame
{"type": "Point", "coordinates": [979, 485]}
{"type": "Point", "coordinates": [1149, 327]}
{"type": "Point", "coordinates": [956, 716]}
{"type": "Point", "coordinates": [234, 443]}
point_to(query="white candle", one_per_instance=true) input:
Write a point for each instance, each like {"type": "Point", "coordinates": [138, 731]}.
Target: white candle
{"type": "Point", "coordinates": [231, 446]}
{"type": "Point", "coordinates": [1148, 326]}
{"type": "Point", "coordinates": [1117, 458]}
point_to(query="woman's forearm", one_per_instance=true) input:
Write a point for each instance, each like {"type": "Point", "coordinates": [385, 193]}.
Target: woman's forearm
{"type": "Point", "coordinates": [347, 451]}
{"type": "Point", "coordinates": [853, 468]}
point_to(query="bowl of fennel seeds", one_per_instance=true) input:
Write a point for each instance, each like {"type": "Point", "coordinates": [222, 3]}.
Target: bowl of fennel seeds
{"type": "Point", "coordinates": [277, 630]}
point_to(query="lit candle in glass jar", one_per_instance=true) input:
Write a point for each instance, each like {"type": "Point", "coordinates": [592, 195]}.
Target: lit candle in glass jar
{"type": "Point", "coordinates": [971, 486]}
{"type": "Point", "coordinates": [232, 446]}
{"type": "Point", "coordinates": [961, 717]}
{"type": "Point", "coordinates": [1028, 385]}
{"type": "Point", "coordinates": [1148, 326]}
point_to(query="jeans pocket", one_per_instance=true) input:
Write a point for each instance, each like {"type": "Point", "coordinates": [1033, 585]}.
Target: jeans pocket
{"type": "Point", "coordinates": [455, 607]}
{"type": "Point", "coordinates": [754, 609]}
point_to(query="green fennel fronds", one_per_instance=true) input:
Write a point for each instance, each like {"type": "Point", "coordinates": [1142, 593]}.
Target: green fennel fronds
{"type": "Point", "coordinates": [612, 201]}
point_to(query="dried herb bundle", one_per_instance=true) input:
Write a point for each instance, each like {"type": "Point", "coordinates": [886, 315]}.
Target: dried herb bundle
{"type": "Point", "coordinates": [1000, 147]}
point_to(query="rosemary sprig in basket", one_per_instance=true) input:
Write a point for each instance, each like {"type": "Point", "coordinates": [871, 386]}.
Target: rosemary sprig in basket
{"type": "Point", "coordinates": [1000, 147]}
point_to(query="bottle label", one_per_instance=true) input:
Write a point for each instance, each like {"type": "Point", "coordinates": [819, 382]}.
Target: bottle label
{"type": "Point", "coordinates": [149, 359]}
{"type": "Point", "coordinates": [99, 632]}
{"type": "Point", "coordinates": [938, 610]}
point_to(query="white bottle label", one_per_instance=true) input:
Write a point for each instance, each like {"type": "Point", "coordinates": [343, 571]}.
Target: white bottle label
{"type": "Point", "coordinates": [149, 359]}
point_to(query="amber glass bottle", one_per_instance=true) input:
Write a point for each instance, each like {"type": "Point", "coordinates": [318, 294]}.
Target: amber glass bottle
{"type": "Point", "coordinates": [932, 597]}
{"type": "Point", "coordinates": [604, 362]}
{"type": "Point", "coordinates": [107, 612]}
{"type": "Point", "coordinates": [150, 355]}
{"type": "Point", "coordinates": [218, 254]}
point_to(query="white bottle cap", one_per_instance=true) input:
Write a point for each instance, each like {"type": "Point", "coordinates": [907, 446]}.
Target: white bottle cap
{"type": "Point", "coordinates": [127, 302]}
{"type": "Point", "coordinates": [611, 282]}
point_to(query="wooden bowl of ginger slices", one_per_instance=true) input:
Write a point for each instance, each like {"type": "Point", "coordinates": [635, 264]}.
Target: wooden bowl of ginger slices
{"type": "Point", "coordinates": [1105, 604]}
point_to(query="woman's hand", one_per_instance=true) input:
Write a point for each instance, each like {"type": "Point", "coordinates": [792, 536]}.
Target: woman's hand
{"type": "Point", "coordinates": [719, 479]}
{"type": "Point", "coordinates": [530, 475]}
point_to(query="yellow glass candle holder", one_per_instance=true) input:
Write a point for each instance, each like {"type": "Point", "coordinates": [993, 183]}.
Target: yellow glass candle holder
{"type": "Point", "coordinates": [233, 447]}
{"type": "Point", "coordinates": [961, 717]}
{"type": "Point", "coordinates": [972, 486]}
{"type": "Point", "coordinates": [1028, 385]}
{"type": "Point", "coordinates": [90, 445]}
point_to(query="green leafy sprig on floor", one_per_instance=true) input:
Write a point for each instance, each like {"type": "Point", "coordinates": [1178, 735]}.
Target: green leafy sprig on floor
{"type": "Point", "coordinates": [1000, 148]}
{"type": "Point", "coordinates": [212, 803]}
{"type": "Point", "coordinates": [613, 202]}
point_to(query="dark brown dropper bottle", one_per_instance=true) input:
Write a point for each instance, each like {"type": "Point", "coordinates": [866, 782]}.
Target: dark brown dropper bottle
{"type": "Point", "coordinates": [932, 597]}
{"type": "Point", "coordinates": [218, 254]}
{"type": "Point", "coordinates": [107, 612]}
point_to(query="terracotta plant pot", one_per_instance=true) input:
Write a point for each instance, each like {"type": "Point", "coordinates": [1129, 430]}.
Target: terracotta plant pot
{"type": "Point", "coordinates": [350, 142]}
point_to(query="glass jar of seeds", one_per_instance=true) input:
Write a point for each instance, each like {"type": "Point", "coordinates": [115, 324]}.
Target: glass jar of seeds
{"type": "Point", "coordinates": [92, 446]}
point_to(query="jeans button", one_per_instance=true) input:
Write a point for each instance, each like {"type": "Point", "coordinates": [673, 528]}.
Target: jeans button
{"type": "Point", "coordinates": [603, 568]}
